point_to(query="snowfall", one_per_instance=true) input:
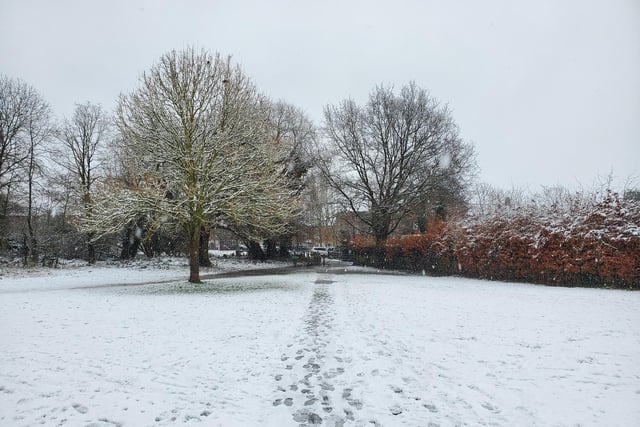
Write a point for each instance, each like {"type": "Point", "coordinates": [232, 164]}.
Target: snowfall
{"type": "Point", "coordinates": [136, 345]}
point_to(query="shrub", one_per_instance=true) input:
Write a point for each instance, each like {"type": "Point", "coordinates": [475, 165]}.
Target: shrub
{"type": "Point", "coordinates": [583, 243]}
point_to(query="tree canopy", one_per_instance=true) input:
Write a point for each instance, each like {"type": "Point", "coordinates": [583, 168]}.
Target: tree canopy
{"type": "Point", "coordinates": [195, 133]}
{"type": "Point", "coordinates": [384, 157]}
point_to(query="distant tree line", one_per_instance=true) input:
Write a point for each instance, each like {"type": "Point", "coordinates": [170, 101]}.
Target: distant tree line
{"type": "Point", "coordinates": [197, 147]}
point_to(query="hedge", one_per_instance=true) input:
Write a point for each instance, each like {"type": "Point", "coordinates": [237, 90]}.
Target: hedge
{"type": "Point", "coordinates": [584, 244]}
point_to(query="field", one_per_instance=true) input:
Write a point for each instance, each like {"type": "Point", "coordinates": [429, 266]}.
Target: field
{"type": "Point", "coordinates": [138, 346]}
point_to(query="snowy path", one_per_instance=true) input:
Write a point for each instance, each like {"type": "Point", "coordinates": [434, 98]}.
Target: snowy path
{"type": "Point", "coordinates": [385, 350]}
{"type": "Point", "coordinates": [319, 348]}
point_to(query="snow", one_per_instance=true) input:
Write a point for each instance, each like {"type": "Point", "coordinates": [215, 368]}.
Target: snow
{"type": "Point", "coordinates": [338, 345]}
{"type": "Point", "coordinates": [75, 273]}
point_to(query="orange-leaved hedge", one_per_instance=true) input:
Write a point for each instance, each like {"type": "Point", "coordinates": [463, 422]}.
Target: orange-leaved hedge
{"type": "Point", "coordinates": [594, 244]}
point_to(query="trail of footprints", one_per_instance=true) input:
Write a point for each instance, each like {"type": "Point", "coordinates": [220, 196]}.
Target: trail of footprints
{"type": "Point", "coordinates": [316, 393]}
{"type": "Point", "coordinates": [313, 386]}
{"type": "Point", "coordinates": [311, 383]}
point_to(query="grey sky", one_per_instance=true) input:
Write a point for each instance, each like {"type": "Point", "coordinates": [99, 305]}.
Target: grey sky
{"type": "Point", "coordinates": [547, 90]}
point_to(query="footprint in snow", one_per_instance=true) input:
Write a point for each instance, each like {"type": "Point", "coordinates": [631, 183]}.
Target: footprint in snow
{"type": "Point", "coordinates": [395, 410]}
{"type": "Point", "coordinates": [306, 416]}
{"type": "Point", "coordinates": [80, 408]}
{"type": "Point", "coordinates": [431, 407]}
{"type": "Point", "coordinates": [489, 407]}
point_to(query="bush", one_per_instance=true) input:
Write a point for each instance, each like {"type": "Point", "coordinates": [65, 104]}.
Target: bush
{"type": "Point", "coordinates": [584, 243]}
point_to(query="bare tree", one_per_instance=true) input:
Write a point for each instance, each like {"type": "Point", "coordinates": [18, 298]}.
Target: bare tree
{"type": "Point", "coordinates": [487, 200]}
{"type": "Point", "coordinates": [17, 100]}
{"type": "Point", "coordinates": [82, 138]}
{"type": "Point", "coordinates": [320, 208]}
{"type": "Point", "coordinates": [293, 133]}
{"type": "Point", "coordinates": [39, 130]}
{"type": "Point", "coordinates": [290, 133]}
{"type": "Point", "coordinates": [196, 127]}
{"type": "Point", "coordinates": [385, 156]}
{"type": "Point", "coordinates": [24, 118]}
{"type": "Point", "coordinates": [60, 235]}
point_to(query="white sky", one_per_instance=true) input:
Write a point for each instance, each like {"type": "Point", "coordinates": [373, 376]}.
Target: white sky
{"type": "Point", "coordinates": [547, 90]}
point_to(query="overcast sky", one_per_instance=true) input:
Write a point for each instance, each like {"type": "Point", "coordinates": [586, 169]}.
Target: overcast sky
{"type": "Point", "coordinates": [548, 91]}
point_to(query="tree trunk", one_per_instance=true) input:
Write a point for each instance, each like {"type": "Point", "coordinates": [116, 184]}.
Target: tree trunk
{"type": "Point", "coordinates": [91, 252]}
{"type": "Point", "coordinates": [255, 251]}
{"type": "Point", "coordinates": [31, 252]}
{"type": "Point", "coordinates": [4, 219]}
{"type": "Point", "coordinates": [194, 246]}
{"type": "Point", "coordinates": [379, 252]}
{"type": "Point", "coordinates": [130, 244]}
{"type": "Point", "coordinates": [25, 250]}
{"type": "Point", "coordinates": [34, 253]}
{"type": "Point", "coordinates": [91, 249]}
{"type": "Point", "coordinates": [270, 245]}
{"type": "Point", "coordinates": [285, 246]}
{"type": "Point", "coordinates": [126, 242]}
{"type": "Point", "coordinates": [203, 256]}
{"type": "Point", "coordinates": [380, 232]}
{"type": "Point", "coordinates": [151, 245]}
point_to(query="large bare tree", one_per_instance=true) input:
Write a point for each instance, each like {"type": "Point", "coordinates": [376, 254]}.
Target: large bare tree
{"type": "Point", "coordinates": [320, 209]}
{"type": "Point", "coordinates": [39, 130]}
{"type": "Point", "coordinates": [290, 133]}
{"type": "Point", "coordinates": [383, 157]}
{"type": "Point", "coordinates": [24, 125]}
{"type": "Point", "coordinates": [196, 128]}
{"type": "Point", "coordinates": [83, 141]}
{"type": "Point", "coordinates": [17, 101]}
{"type": "Point", "coordinates": [294, 133]}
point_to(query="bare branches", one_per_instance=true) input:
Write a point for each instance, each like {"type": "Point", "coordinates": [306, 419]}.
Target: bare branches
{"type": "Point", "coordinates": [387, 155]}
{"type": "Point", "coordinates": [25, 126]}
{"type": "Point", "coordinates": [81, 140]}
{"type": "Point", "coordinates": [20, 108]}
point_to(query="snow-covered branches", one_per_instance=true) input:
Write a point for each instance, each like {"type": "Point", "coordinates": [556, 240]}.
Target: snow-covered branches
{"type": "Point", "coordinates": [556, 238]}
{"type": "Point", "coordinates": [197, 133]}
{"type": "Point", "coordinates": [82, 142]}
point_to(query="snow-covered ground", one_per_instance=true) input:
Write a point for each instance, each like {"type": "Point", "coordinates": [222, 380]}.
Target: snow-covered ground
{"type": "Point", "coordinates": [75, 273]}
{"type": "Point", "coordinates": [316, 346]}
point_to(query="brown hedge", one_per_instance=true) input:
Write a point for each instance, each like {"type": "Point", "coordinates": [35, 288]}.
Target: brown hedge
{"type": "Point", "coordinates": [586, 244]}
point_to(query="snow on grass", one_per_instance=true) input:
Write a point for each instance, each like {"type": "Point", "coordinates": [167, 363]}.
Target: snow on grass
{"type": "Point", "coordinates": [75, 273]}
{"type": "Point", "coordinates": [316, 346]}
